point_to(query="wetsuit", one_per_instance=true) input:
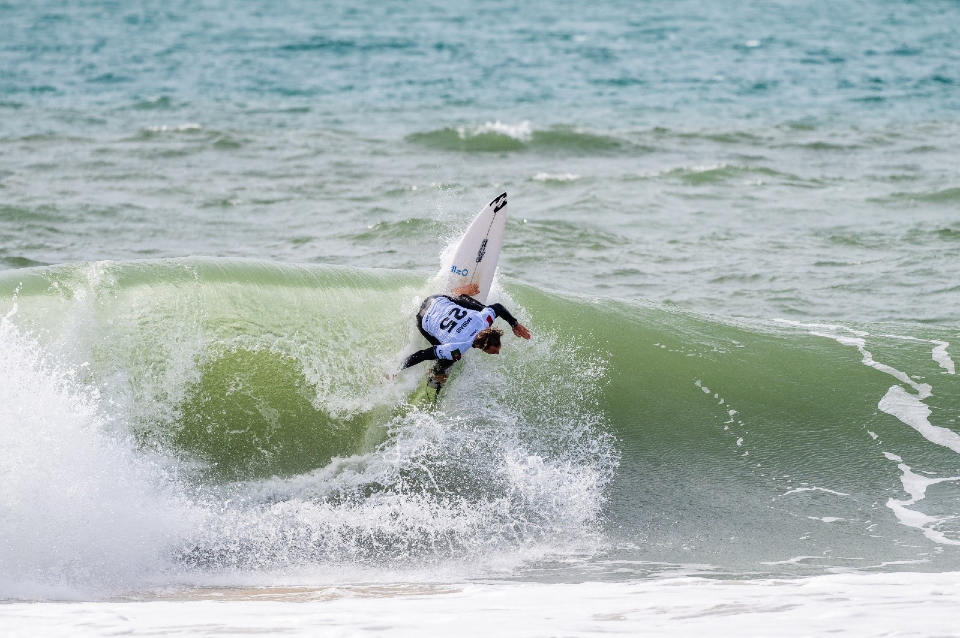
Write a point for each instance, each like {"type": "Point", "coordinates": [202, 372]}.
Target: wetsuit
{"type": "Point", "coordinates": [451, 324]}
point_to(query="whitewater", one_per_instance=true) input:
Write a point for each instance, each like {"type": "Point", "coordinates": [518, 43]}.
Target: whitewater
{"type": "Point", "coordinates": [732, 232]}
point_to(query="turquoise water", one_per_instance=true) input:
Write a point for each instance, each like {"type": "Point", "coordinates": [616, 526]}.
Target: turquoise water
{"type": "Point", "coordinates": [743, 159]}
{"type": "Point", "coordinates": [732, 229]}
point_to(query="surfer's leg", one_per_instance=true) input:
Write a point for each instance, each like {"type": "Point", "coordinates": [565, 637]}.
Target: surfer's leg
{"type": "Point", "coordinates": [439, 373]}
{"type": "Point", "coordinates": [443, 366]}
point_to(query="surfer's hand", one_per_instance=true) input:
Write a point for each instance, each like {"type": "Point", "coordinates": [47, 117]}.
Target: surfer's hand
{"type": "Point", "coordinates": [467, 289]}
{"type": "Point", "coordinates": [520, 331]}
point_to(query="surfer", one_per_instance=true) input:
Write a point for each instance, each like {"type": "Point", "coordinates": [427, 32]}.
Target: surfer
{"type": "Point", "coordinates": [454, 324]}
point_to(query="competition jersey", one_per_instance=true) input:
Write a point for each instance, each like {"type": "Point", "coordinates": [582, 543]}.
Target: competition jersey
{"type": "Point", "coordinates": [454, 326]}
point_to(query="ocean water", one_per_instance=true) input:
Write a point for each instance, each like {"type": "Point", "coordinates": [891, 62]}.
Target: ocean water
{"type": "Point", "coordinates": [733, 228]}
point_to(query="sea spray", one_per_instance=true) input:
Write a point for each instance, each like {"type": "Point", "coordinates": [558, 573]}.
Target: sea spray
{"type": "Point", "coordinates": [81, 512]}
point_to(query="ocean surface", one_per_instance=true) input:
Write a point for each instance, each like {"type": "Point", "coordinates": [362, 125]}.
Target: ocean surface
{"type": "Point", "coordinates": [733, 229]}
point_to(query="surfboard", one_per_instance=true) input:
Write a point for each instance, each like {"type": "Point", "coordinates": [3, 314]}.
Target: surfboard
{"type": "Point", "coordinates": [474, 260]}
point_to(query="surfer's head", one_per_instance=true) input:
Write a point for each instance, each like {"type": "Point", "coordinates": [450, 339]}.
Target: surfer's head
{"type": "Point", "coordinates": [488, 340]}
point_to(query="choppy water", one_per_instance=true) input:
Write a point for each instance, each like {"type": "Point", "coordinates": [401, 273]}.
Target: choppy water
{"type": "Point", "coordinates": [733, 229]}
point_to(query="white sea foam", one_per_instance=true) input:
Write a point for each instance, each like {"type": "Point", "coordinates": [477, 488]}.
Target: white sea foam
{"type": "Point", "coordinates": [443, 486]}
{"type": "Point", "coordinates": [814, 489]}
{"type": "Point", "coordinates": [826, 519]}
{"type": "Point", "coordinates": [555, 177]}
{"type": "Point", "coordinates": [941, 357]}
{"type": "Point", "coordinates": [796, 560]}
{"type": "Point", "coordinates": [897, 402]}
{"type": "Point", "coordinates": [920, 604]}
{"type": "Point", "coordinates": [180, 128]}
{"type": "Point", "coordinates": [923, 389]}
{"type": "Point", "coordinates": [916, 486]}
{"type": "Point", "coordinates": [939, 352]}
{"type": "Point", "coordinates": [911, 410]}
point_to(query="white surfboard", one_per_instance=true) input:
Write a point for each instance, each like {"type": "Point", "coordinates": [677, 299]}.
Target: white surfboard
{"type": "Point", "coordinates": [475, 258]}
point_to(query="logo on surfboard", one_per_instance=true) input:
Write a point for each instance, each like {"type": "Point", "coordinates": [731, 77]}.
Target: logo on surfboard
{"type": "Point", "coordinates": [463, 272]}
{"type": "Point", "coordinates": [482, 251]}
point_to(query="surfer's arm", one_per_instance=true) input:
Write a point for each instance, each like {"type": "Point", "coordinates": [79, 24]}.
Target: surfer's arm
{"type": "Point", "coordinates": [445, 351]}
{"type": "Point", "coordinates": [504, 313]}
{"type": "Point", "coordinates": [427, 354]}
{"type": "Point", "coordinates": [518, 328]}
{"type": "Point", "coordinates": [499, 311]}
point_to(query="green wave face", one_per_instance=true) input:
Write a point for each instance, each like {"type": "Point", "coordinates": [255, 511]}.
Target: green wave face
{"type": "Point", "coordinates": [641, 431]}
{"type": "Point", "coordinates": [247, 369]}
{"type": "Point", "coordinates": [251, 414]}
{"type": "Point", "coordinates": [771, 447]}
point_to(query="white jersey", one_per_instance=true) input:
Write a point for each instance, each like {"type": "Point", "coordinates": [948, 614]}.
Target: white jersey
{"type": "Point", "coordinates": [454, 326]}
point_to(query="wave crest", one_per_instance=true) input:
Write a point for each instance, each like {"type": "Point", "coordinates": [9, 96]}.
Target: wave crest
{"type": "Point", "coordinates": [497, 137]}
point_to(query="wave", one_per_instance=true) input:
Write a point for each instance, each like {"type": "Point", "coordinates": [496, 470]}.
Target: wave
{"type": "Point", "coordinates": [752, 144]}
{"type": "Point", "coordinates": [243, 413]}
{"type": "Point", "coordinates": [944, 196]}
{"type": "Point", "coordinates": [408, 228]}
{"type": "Point", "coordinates": [720, 173]}
{"type": "Point", "coordinates": [497, 137]}
{"type": "Point", "coordinates": [191, 137]}
{"type": "Point", "coordinates": [17, 261]}
{"type": "Point", "coordinates": [155, 103]}
{"type": "Point", "coordinates": [555, 178]}
{"type": "Point", "coordinates": [347, 46]}
{"type": "Point", "coordinates": [255, 395]}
